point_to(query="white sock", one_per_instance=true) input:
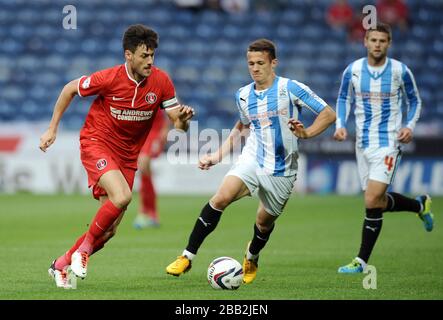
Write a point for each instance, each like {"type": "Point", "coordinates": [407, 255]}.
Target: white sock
{"type": "Point", "coordinates": [188, 254]}
{"type": "Point", "coordinates": [363, 264]}
{"type": "Point", "coordinates": [250, 256]}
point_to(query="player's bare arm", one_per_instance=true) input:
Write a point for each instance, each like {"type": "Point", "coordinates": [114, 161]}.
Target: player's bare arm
{"type": "Point", "coordinates": [341, 134]}
{"type": "Point", "coordinates": [240, 130]}
{"type": "Point", "coordinates": [324, 119]}
{"type": "Point", "coordinates": [63, 101]}
{"type": "Point", "coordinates": [405, 135]}
{"type": "Point", "coordinates": [180, 116]}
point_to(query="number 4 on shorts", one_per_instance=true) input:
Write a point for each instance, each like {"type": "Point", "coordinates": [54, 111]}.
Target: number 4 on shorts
{"type": "Point", "coordinates": [389, 162]}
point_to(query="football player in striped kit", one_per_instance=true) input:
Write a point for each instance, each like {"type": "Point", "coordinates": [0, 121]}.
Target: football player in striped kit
{"type": "Point", "coordinates": [269, 110]}
{"type": "Point", "coordinates": [375, 85]}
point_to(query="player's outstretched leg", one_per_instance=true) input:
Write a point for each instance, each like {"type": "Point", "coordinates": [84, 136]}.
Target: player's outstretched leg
{"type": "Point", "coordinates": [421, 205]}
{"type": "Point", "coordinates": [426, 214]}
{"type": "Point", "coordinates": [106, 216]}
{"type": "Point", "coordinates": [204, 225]}
{"type": "Point", "coordinates": [372, 226]}
{"type": "Point", "coordinates": [250, 261]}
{"type": "Point", "coordinates": [63, 263]}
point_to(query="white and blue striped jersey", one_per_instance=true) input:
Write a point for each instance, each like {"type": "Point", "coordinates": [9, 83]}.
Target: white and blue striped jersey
{"type": "Point", "coordinates": [377, 97]}
{"type": "Point", "coordinates": [270, 143]}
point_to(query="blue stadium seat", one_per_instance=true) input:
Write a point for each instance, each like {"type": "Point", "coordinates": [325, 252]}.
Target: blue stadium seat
{"type": "Point", "coordinates": [203, 52]}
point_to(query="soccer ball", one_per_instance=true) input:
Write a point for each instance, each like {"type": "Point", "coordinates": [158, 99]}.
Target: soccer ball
{"type": "Point", "coordinates": [225, 273]}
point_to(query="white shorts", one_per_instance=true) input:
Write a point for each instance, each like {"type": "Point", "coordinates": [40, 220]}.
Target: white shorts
{"type": "Point", "coordinates": [378, 164]}
{"type": "Point", "coordinates": [273, 191]}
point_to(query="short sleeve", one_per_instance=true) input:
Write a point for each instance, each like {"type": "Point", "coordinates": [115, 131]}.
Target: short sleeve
{"type": "Point", "coordinates": [95, 83]}
{"type": "Point", "coordinates": [169, 100]}
{"type": "Point", "coordinates": [305, 97]}
{"type": "Point", "coordinates": [243, 118]}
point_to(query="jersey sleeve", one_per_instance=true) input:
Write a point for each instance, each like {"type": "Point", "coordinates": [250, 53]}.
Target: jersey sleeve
{"type": "Point", "coordinates": [303, 96]}
{"type": "Point", "coordinates": [413, 100]}
{"type": "Point", "coordinates": [243, 118]}
{"type": "Point", "coordinates": [345, 98]}
{"type": "Point", "coordinates": [169, 100]}
{"type": "Point", "coordinates": [95, 83]}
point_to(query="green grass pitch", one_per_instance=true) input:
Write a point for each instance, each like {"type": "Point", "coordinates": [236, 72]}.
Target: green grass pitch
{"type": "Point", "coordinates": [314, 236]}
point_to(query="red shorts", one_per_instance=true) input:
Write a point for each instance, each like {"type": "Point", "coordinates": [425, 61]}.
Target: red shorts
{"type": "Point", "coordinates": [97, 160]}
{"type": "Point", "coordinates": [153, 146]}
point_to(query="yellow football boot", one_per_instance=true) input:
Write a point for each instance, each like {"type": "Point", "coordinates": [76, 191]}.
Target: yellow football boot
{"type": "Point", "coordinates": [179, 266]}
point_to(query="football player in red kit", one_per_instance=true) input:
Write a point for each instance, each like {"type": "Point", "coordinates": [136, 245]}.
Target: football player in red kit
{"type": "Point", "coordinates": [119, 120]}
{"type": "Point", "coordinates": [152, 148]}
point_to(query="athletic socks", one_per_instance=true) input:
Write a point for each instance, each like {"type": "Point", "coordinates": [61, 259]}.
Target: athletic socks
{"type": "Point", "coordinates": [188, 254]}
{"type": "Point", "coordinates": [371, 229]}
{"type": "Point", "coordinates": [65, 260]}
{"type": "Point", "coordinates": [105, 217]}
{"type": "Point", "coordinates": [205, 224]}
{"type": "Point", "coordinates": [258, 242]}
{"type": "Point", "coordinates": [374, 220]}
{"type": "Point", "coordinates": [398, 202]}
{"type": "Point", "coordinates": [148, 197]}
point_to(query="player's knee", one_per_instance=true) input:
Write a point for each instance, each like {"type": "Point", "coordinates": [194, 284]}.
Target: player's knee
{"type": "Point", "coordinates": [221, 200]}
{"type": "Point", "coordinates": [122, 199]}
{"type": "Point", "coordinates": [373, 200]}
{"type": "Point", "coordinates": [263, 226]}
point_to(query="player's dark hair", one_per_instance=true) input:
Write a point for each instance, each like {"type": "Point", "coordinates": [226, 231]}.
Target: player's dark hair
{"type": "Point", "coordinates": [381, 27]}
{"type": "Point", "coordinates": [137, 35]}
{"type": "Point", "coordinates": [263, 45]}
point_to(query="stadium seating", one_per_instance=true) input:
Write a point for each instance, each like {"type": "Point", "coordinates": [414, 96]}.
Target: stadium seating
{"type": "Point", "coordinates": [204, 52]}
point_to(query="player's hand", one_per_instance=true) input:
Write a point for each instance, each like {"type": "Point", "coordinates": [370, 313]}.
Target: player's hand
{"type": "Point", "coordinates": [47, 139]}
{"type": "Point", "coordinates": [207, 161]}
{"type": "Point", "coordinates": [405, 135]}
{"type": "Point", "coordinates": [297, 128]}
{"type": "Point", "coordinates": [185, 113]}
{"type": "Point", "coordinates": [340, 134]}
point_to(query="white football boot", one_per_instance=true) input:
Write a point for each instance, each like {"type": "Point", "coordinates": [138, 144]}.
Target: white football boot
{"type": "Point", "coordinates": [79, 264]}
{"type": "Point", "coordinates": [64, 278]}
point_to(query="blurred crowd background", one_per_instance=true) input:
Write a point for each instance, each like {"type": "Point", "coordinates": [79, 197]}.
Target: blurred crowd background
{"type": "Point", "coordinates": [202, 47]}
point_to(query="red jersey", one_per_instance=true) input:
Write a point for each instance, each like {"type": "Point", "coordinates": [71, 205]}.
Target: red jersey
{"type": "Point", "coordinates": [122, 114]}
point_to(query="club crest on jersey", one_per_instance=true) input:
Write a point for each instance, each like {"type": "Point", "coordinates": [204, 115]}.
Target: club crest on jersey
{"type": "Point", "coordinates": [151, 97]}
{"type": "Point", "coordinates": [101, 164]}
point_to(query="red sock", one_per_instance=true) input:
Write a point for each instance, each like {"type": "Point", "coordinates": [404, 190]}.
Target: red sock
{"type": "Point", "coordinates": [148, 197]}
{"type": "Point", "coordinates": [105, 217]}
{"type": "Point", "coordinates": [65, 260]}
{"type": "Point", "coordinates": [100, 243]}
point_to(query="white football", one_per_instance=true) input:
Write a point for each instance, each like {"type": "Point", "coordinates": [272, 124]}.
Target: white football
{"type": "Point", "coordinates": [225, 273]}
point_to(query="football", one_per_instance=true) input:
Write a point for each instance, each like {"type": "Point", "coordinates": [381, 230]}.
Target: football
{"type": "Point", "coordinates": [225, 273]}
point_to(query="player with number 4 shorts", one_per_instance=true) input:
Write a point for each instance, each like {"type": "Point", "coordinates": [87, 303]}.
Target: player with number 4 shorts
{"type": "Point", "coordinates": [375, 85]}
